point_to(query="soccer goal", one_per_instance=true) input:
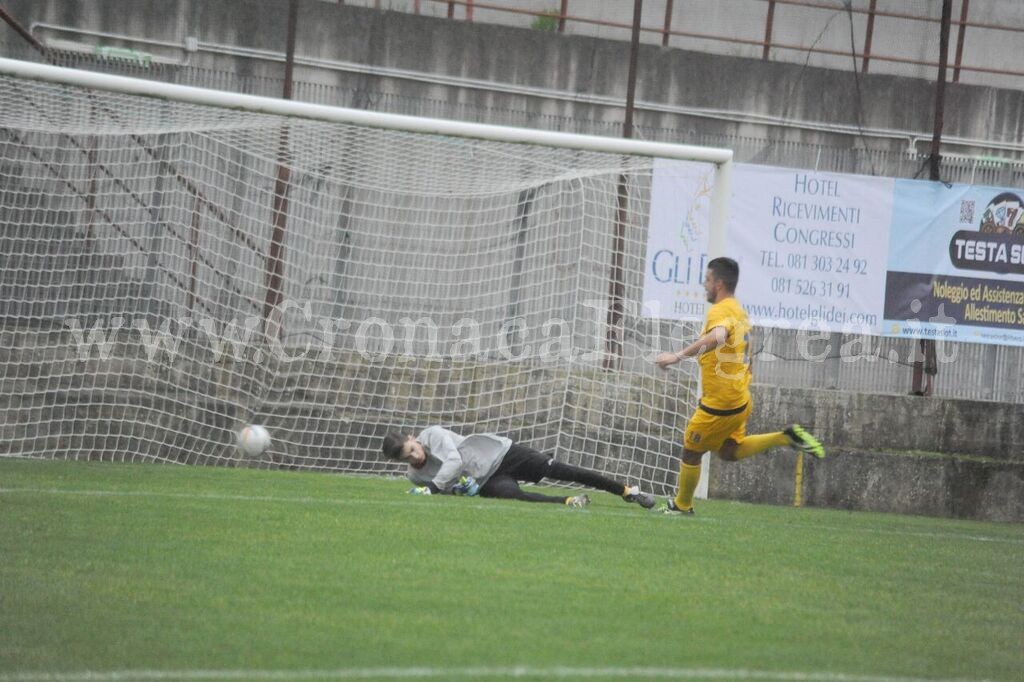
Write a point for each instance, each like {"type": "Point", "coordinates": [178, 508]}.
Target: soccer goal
{"type": "Point", "coordinates": [179, 262]}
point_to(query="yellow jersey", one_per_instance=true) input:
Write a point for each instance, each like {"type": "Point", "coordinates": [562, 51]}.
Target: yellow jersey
{"type": "Point", "coordinates": [725, 371]}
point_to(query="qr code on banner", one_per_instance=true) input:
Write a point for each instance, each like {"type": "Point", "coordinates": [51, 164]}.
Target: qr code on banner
{"type": "Point", "coordinates": [966, 211]}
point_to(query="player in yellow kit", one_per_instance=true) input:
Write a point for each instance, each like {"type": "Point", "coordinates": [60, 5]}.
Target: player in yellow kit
{"type": "Point", "coordinates": [719, 424]}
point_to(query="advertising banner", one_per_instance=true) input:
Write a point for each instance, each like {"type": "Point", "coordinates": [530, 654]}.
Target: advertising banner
{"type": "Point", "coordinates": [956, 264]}
{"type": "Point", "coordinates": [845, 253]}
{"type": "Point", "coordinates": [812, 247]}
{"type": "Point", "coordinates": [677, 243]}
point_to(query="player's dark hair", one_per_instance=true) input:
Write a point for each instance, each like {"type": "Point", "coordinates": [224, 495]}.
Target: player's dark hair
{"type": "Point", "coordinates": [727, 270]}
{"type": "Point", "coordinates": [392, 444]}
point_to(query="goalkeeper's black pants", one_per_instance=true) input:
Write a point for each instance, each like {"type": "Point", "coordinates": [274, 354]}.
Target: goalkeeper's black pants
{"type": "Point", "coordinates": [526, 464]}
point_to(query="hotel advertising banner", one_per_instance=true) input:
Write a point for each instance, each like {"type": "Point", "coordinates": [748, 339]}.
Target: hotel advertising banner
{"type": "Point", "coordinates": [677, 242]}
{"type": "Point", "coordinates": [812, 247]}
{"type": "Point", "coordinates": [845, 253]}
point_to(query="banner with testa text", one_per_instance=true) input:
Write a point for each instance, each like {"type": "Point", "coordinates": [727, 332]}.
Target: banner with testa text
{"type": "Point", "coordinates": [956, 263]}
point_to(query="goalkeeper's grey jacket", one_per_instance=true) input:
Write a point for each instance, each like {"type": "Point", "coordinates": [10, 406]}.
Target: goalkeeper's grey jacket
{"type": "Point", "coordinates": [450, 456]}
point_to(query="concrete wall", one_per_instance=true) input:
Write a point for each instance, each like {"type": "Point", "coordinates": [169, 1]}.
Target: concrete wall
{"type": "Point", "coordinates": [540, 61]}
{"type": "Point", "coordinates": [826, 26]}
{"type": "Point", "coordinates": [900, 454]}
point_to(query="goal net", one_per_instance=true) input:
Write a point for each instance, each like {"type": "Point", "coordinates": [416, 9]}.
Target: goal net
{"type": "Point", "coordinates": [177, 263]}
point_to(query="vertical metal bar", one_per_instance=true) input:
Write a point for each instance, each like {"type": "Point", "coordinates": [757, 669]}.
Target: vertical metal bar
{"type": "Point", "coordinates": [869, 34]}
{"type": "Point", "coordinates": [416, 6]}
{"type": "Point", "coordinates": [524, 208]}
{"type": "Point", "coordinates": [193, 245]}
{"type": "Point", "coordinates": [668, 23]}
{"type": "Point", "coordinates": [940, 90]}
{"type": "Point", "coordinates": [451, 9]}
{"type": "Point", "coordinates": [965, 5]}
{"type": "Point", "coordinates": [617, 281]}
{"type": "Point", "coordinates": [469, 11]}
{"type": "Point", "coordinates": [634, 51]}
{"type": "Point", "coordinates": [798, 481]}
{"type": "Point", "coordinates": [769, 20]}
{"type": "Point", "coordinates": [90, 197]}
{"type": "Point", "coordinates": [563, 10]}
{"type": "Point", "coordinates": [275, 258]}
{"type": "Point", "coordinates": [927, 346]}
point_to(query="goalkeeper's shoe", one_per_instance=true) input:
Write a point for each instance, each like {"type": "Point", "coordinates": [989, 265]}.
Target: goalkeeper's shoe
{"type": "Point", "coordinates": [801, 439]}
{"type": "Point", "coordinates": [633, 494]}
{"type": "Point", "coordinates": [670, 509]}
{"type": "Point", "coordinates": [578, 501]}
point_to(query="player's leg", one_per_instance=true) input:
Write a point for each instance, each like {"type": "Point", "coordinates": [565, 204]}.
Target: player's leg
{"type": "Point", "coordinates": [506, 487]}
{"type": "Point", "coordinates": [689, 477]}
{"type": "Point", "coordinates": [703, 432]}
{"type": "Point", "coordinates": [526, 464]}
{"type": "Point", "coordinates": [740, 446]}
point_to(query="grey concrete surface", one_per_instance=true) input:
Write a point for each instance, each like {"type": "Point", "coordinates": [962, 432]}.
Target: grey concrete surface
{"type": "Point", "coordinates": [523, 57]}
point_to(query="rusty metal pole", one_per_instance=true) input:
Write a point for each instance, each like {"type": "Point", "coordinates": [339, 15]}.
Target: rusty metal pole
{"type": "Point", "coordinates": [768, 21]}
{"type": "Point", "coordinates": [668, 24]}
{"type": "Point", "coordinates": [927, 346]}
{"type": "Point", "coordinates": [275, 258]}
{"type": "Point", "coordinates": [960, 40]}
{"type": "Point", "coordinates": [563, 10]}
{"type": "Point", "coordinates": [634, 52]}
{"type": "Point", "coordinates": [617, 282]}
{"type": "Point", "coordinates": [940, 90]}
{"type": "Point", "coordinates": [193, 247]}
{"type": "Point", "coordinates": [21, 31]}
{"type": "Point", "coordinates": [869, 34]}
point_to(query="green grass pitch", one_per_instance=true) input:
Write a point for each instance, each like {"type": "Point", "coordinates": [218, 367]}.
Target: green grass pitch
{"type": "Point", "coordinates": [117, 572]}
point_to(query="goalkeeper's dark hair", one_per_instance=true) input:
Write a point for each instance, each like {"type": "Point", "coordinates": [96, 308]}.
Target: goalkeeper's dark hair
{"type": "Point", "coordinates": [392, 444]}
{"type": "Point", "coordinates": [727, 270]}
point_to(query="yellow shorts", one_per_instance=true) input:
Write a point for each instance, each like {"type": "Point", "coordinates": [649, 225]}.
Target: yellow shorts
{"type": "Point", "coordinates": [707, 432]}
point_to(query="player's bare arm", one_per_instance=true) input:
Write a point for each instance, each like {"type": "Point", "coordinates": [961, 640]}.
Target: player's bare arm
{"type": "Point", "coordinates": [708, 342]}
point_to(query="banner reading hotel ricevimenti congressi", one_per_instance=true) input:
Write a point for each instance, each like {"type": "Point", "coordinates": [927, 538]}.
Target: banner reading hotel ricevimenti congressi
{"type": "Point", "coordinates": [811, 247]}
{"type": "Point", "coordinates": [846, 253]}
{"type": "Point", "coordinates": [956, 263]}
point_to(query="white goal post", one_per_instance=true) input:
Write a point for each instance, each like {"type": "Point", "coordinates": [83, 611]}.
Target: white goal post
{"type": "Point", "coordinates": [178, 262]}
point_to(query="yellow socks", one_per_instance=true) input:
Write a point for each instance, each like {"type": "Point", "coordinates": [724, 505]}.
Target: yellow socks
{"type": "Point", "coordinates": [689, 477]}
{"type": "Point", "coordinates": [752, 445]}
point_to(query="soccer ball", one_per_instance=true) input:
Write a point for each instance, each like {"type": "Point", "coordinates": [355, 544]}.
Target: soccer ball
{"type": "Point", "coordinates": [253, 440]}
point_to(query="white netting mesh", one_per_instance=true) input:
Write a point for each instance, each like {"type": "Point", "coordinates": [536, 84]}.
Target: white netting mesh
{"type": "Point", "coordinates": [423, 279]}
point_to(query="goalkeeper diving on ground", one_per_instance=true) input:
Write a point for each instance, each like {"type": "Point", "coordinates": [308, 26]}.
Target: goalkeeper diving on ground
{"type": "Point", "coordinates": [719, 423]}
{"type": "Point", "coordinates": [442, 461]}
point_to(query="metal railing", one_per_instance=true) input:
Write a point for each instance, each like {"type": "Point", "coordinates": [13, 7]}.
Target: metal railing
{"type": "Point", "coordinates": [578, 15]}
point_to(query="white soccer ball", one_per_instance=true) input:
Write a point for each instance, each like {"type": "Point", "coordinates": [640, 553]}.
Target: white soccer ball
{"type": "Point", "coordinates": [253, 440]}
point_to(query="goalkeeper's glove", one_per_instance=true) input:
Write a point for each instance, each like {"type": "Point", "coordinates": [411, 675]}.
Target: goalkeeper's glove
{"type": "Point", "coordinates": [419, 490]}
{"type": "Point", "coordinates": [467, 485]}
